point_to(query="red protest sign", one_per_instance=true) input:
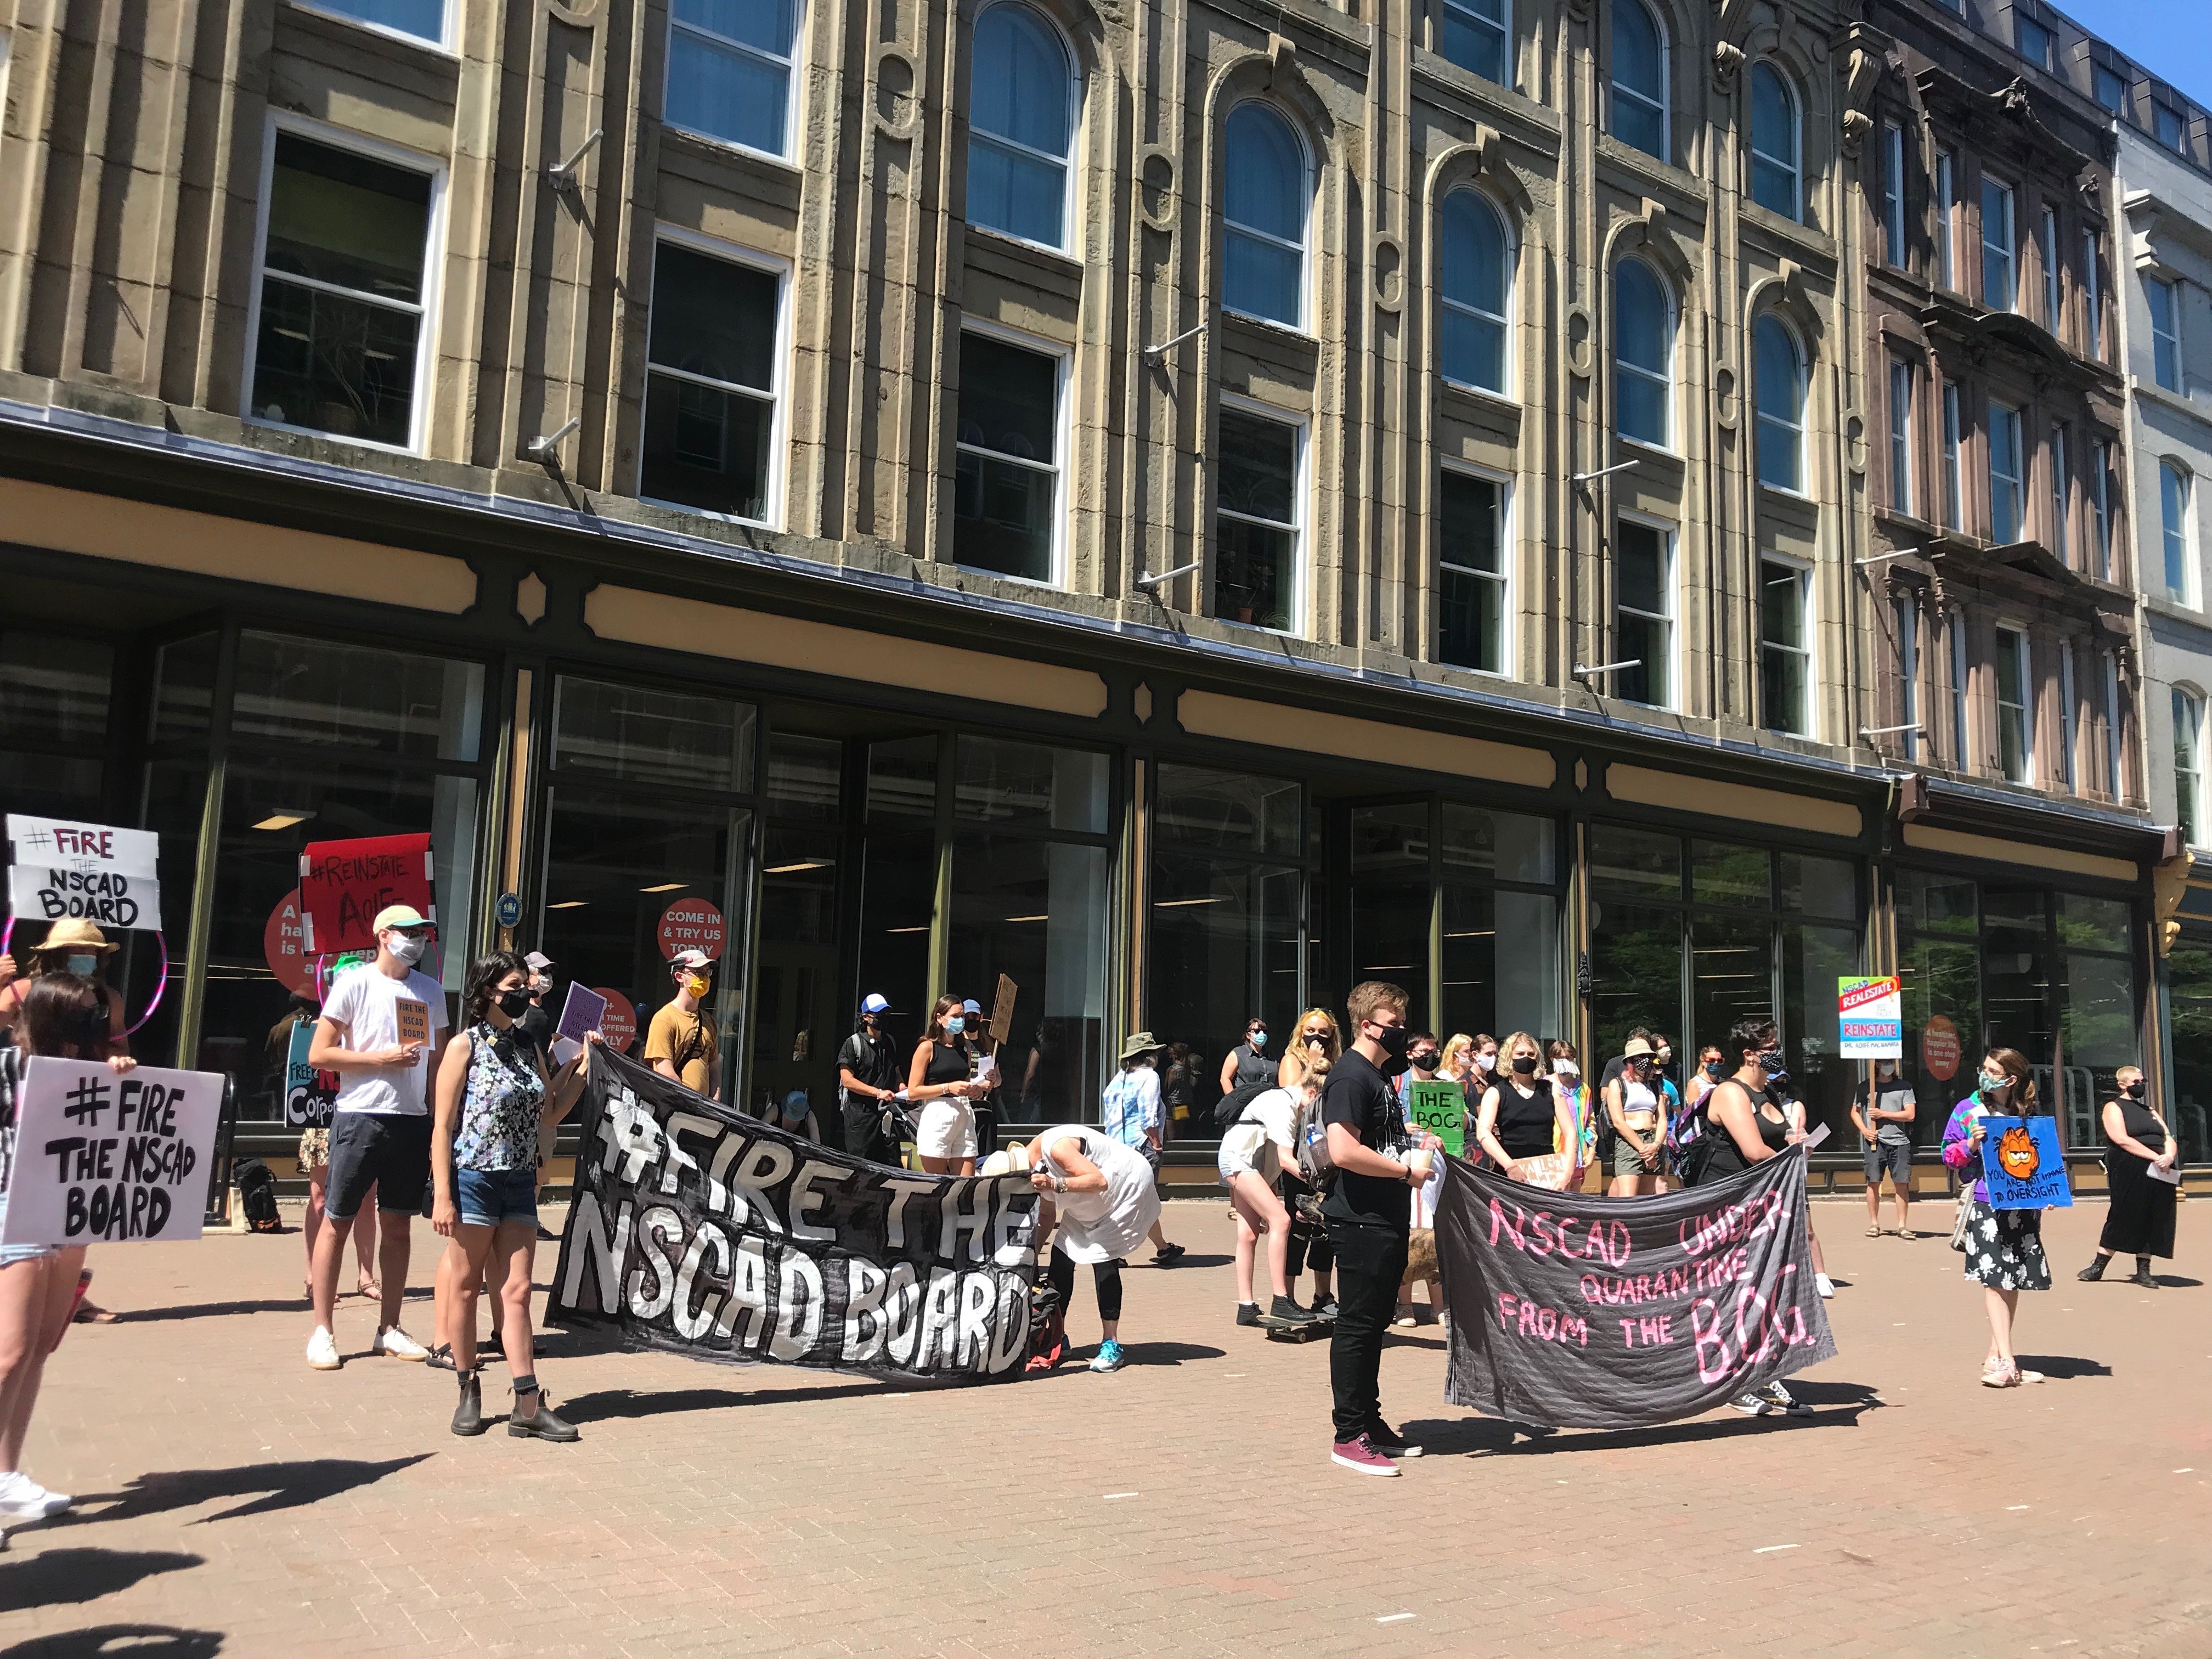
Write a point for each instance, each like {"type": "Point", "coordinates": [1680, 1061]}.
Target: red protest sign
{"type": "Point", "coordinates": [344, 884]}
{"type": "Point", "coordinates": [280, 946]}
{"type": "Point", "coordinates": [691, 924]}
{"type": "Point", "coordinates": [1939, 1050]}
{"type": "Point", "coordinates": [618, 1026]}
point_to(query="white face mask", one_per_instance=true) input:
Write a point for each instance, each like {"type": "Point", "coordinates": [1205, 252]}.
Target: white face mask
{"type": "Point", "coordinates": [406, 948]}
{"type": "Point", "coordinates": [1565, 1068]}
{"type": "Point", "coordinates": [1487, 1062]}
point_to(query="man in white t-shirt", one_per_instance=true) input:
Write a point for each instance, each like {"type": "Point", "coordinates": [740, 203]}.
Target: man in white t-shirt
{"type": "Point", "coordinates": [378, 1031]}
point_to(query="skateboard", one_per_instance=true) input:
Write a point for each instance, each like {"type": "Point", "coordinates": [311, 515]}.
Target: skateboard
{"type": "Point", "coordinates": [1306, 1333]}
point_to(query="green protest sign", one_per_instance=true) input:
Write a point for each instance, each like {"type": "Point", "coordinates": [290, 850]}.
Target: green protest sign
{"type": "Point", "coordinates": [1441, 1108]}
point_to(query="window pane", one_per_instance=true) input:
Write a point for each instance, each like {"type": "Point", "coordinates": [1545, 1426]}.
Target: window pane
{"type": "Point", "coordinates": [764, 25]}
{"type": "Point", "coordinates": [1231, 811]}
{"type": "Point", "coordinates": [1002, 517]}
{"type": "Point", "coordinates": [1635, 861]}
{"type": "Point", "coordinates": [1011, 191]}
{"type": "Point", "coordinates": [183, 671]}
{"type": "Point", "coordinates": [1511, 846]}
{"type": "Point", "coordinates": [335, 365]}
{"type": "Point", "coordinates": [341, 217]}
{"type": "Point", "coordinates": [1732, 969]}
{"type": "Point", "coordinates": [1474, 252]}
{"type": "Point", "coordinates": [1474, 349]}
{"type": "Point", "coordinates": [1261, 279]}
{"type": "Point", "coordinates": [644, 735]}
{"type": "Point", "coordinates": [1258, 472]}
{"type": "Point", "coordinates": [705, 448]}
{"type": "Point", "coordinates": [426, 18]}
{"type": "Point", "coordinates": [1639, 79]}
{"type": "Point", "coordinates": [1820, 887]}
{"type": "Point", "coordinates": [2189, 968]}
{"type": "Point", "coordinates": [1252, 574]}
{"type": "Point", "coordinates": [1996, 246]}
{"type": "Point", "coordinates": [1723, 873]}
{"type": "Point", "coordinates": [1019, 85]}
{"type": "Point", "coordinates": [1470, 620]}
{"type": "Point", "coordinates": [1028, 786]}
{"type": "Point", "coordinates": [727, 94]}
{"type": "Point", "coordinates": [54, 690]}
{"type": "Point", "coordinates": [1638, 124]}
{"type": "Point", "coordinates": [713, 318]}
{"type": "Point", "coordinates": [2173, 511]}
{"type": "Point", "coordinates": [1265, 181]}
{"type": "Point", "coordinates": [1471, 34]}
{"type": "Point", "coordinates": [1782, 690]}
{"type": "Point", "coordinates": [1636, 975]}
{"type": "Point", "coordinates": [1225, 947]}
{"type": "Point", "coordinates": [1009, 399]}
{"type": "Point", "coordinates": [1781, 405]}
{"type": "Point", "coordinates": [316, 694]}
{"type": "Point", "coordinates": [1467, 531]}
{"type": "Point", "coordinates": [898, 878]}
{"type": "Point", "coordinates": [1773, 142]}
{"type": "Point", "coordinates": [1813, 959]}
{"type": "Point", "coordinates": [1639, 553]}
{"type": "Point", "coordinates": [1390, 900]}
{"type": "Point", "coordinates": [1644, 340]}
{"type": "Point", "coordinates": [1782, 614]}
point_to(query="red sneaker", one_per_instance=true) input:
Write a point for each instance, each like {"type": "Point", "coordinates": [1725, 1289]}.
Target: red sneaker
{"type": "Point", "coordinates": [1360, 1454]}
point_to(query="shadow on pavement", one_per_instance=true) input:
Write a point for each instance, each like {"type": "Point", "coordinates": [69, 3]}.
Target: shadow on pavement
{"type": "Point", "coordinates": [1170, 1354]}
{"type": "Point", "coordinates": [138, 1641]}
{"type": "Point", "coordinates": [608, 1404]}
{"type": "Point", "coordinates": [80, 1575]}
{"type": "Point", "coordinates": [278, 1486]}
{"type": "Point", "coordinates": [1499, 1437]}
{"type": "Point", "coordinates": [1191, 1259]}
{"type": "Point", "coordinates": [348, 1300]}
{"type": "Point", "coordinates": [2059, 1365]}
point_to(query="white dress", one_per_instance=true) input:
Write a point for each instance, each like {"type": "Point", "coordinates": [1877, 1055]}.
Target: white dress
{"type": "Point", "coordinates": [1097, 1227]}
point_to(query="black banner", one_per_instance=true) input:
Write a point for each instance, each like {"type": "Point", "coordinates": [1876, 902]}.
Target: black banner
{"type": "Point", "coordinates": [706, 1232]}
{"type": "Point", "coordinates": [1619, 1313]}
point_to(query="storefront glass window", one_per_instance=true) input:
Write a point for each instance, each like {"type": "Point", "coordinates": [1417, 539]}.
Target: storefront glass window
{"type": "Point", "coordinates": [2016, 971]}
{"type": "Point", "coordinates": [1722, 873]}
{"type": "Point", "coordinates": [1939, 960]}
{"type": "Point", "coordinates": [1500, 951]}
{"type": "Point", "coordinates": [184, 690]}
{"type": "Point", "coordinates": [1390, 900]}
{"type": "Point", "coordinates": [1813, 958]}
{"type": "Point", "coordinates": [1636, 969]}
{"type": "Point", "coordinates": [798, 1018]}
{"type": "Point", "coordinates": [2189, 979]}
{"type": "Point", "coordinates": [1732, 977]}
{"type": "Point", "coordinates": [314, 694]}
{"type": "Point", "coordinates": [636, 735]}
{"type": "Point", "coordinates": [53, 722]}
{"type": "Point", "coordinates": [1635, 861]}
{"type": "Point", "coordinates": [2096, 989]}
{"type": "Point", "coordinates": [898, 881]}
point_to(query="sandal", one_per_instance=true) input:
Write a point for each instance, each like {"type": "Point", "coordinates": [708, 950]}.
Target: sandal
{"type": "Point", "coordinates": [1873, 1232]}
{"type": "Point", "coordinates": [90, 1313]}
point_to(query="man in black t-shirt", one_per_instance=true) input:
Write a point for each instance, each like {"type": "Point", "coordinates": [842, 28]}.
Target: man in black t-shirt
{"type": "Point", "coordinates": [1370, 1212]}
{"type": "Point", "coordinates": [867, 1076]}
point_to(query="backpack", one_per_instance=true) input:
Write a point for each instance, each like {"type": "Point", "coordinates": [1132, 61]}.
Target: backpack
{"type": "Point", "coordinates": [1230, 1111]}
{"type": "Point", "coordinates": [256, 1195]}
{"type": "Point", "coordinates": [1315, 1167]}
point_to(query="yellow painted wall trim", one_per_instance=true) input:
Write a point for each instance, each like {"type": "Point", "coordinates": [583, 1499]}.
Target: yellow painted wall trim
{"type": "Point", "coordinates": [640, 618]}
{"type": "Point", "coordinates": [1643, 786]}
{"type": "Point", "coordinates": [1959, 844]}
{"type": "Point", "coordinates": [209, 544]}
{"type": "Point", "coordinates": [1209, 714]}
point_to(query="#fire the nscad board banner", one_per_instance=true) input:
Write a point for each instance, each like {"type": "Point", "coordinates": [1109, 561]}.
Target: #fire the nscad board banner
{"type": "Point", "coordinates": [1596, 1313]}
{"type": "Point", "coordinates": [702, 1231]}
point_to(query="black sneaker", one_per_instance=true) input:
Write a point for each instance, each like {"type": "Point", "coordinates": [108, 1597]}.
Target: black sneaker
{"type": "Point", "coordinates": [1167, 1255]}
{"type": "Point", "coordinates": [1779, 1399]}
{"type": "Point", "coordinates": [1388, 1441]}
{"type": "Point", "coordinates": [1325, 1308]}
{"type": "Point", "coordinates": [1285, 1314]}
{"type": "Point", "coordinates": [1247, 1313]}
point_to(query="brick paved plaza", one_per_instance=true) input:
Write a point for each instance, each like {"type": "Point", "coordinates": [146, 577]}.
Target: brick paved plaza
{"type": "Point", "coordinates": [233, 1501]}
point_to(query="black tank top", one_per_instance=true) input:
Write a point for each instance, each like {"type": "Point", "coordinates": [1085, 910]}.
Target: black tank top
{"type": "Point", "coordinates": [2135, 1118]}
{"type": "Point", "coordinates": [947, 1064]}
{"type": "Point", "coordinates": [1726, 1159]}
{"type": "Point", "coordinates": [1525, 1127]}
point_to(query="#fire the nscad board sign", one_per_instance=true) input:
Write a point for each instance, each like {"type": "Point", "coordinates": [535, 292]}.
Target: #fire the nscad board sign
{"type": "Point", "coordinates": [702, 1231]}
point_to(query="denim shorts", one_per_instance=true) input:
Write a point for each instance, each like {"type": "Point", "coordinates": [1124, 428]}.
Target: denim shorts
{"type": "Point", "coordinates": [11, 1254]}
{"type": "Point", "coordinates": [487, 1198]}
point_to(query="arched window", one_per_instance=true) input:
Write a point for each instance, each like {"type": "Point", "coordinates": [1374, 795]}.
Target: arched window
{"type": "Point", "coordinates": [1643, 353]}
{"type": "Point", "coordinates": [1640, 78]}
{"type": "Point", "coordinates": [1781, 377]}
{"type": "Point", "coordinates": [2174, 525]}
{"type": "Point", "coordinates": [1474, 263]}
{"type": "Point", "coordinates": [1021, 126]}
{"type": "Point", "coordinates": [1777, 178]}
{"type": "Point", "coordinates": [1266, 193]}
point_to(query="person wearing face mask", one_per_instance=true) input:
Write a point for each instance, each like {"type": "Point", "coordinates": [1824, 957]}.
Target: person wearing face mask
{"type": "Point", "coordinates": [1316, 1038]}
{"type": "Point", "coordinates": [2003, 1248]}
{"type": "Point", "coordinates": [681, 1042]}
{"type": "Point", "coordinates": [1884, 1123]}
{"type": "Point", "coordinates": [494, 1093]}
{"type": "Point", "coordinates": [63, 1015]}
{"type": "Point", "coordinates": [379, 1123]}
{"type": "Point", "coordinates": [1485, 1059]}
{"type": "Point", "coordinates": [939, 1084]}
{"type": "Point", "coordinates": [1712, 1066]}
{"type": "Point", "coordinates": [2137, 1143]}
{"type": "Point", "coordinates": [1456, 1061]}
{"type": "Point", "coordinates": [1522, 1124]}
{"type": "Point", "coordinates": [976, 1041]}
{"type": "Point", "coordinates": [1637, 1109]}
{"type": "Point", "coordinates": [1422, 1057]}
{"type": "Point", "coordinates": [70, 947]}
{"type": "Point", "coordinates": [867, 1083]}
{"type": "Point", "coordinates": [1562, 1061]}
{"type": "Point", "coordinates": [1248, 1062]}
{"type": "Point", "coordinates": [1129, 1112]}
{"type": "Point", "coordinates": [1316, 1035]}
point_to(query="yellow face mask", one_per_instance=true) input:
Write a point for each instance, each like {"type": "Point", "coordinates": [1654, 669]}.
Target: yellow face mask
{"type": "Point", "coordinates": [698, 987]}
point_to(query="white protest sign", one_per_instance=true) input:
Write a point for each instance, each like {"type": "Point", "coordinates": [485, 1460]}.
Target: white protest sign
{"type": "Point", "coordinates": [102, 1159]}
{"type": "Point", "coordinates": [62, 871]}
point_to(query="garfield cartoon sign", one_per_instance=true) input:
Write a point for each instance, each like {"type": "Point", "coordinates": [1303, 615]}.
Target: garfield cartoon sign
{"type": "Point", "coordinates": [2022, 1165]}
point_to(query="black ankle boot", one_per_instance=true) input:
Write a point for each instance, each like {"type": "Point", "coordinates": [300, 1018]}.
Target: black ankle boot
{"type": "Point", "coordinates": [2142, 1274]}
{"type": "Point", "coordinates": [468, 1416]}
{"type": "Point", "coordinates": [530, 1419]}
{"type": "Point", "coordinates": [2094, 1271]}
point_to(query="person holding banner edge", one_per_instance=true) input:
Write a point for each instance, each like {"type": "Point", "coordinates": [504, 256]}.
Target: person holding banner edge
{"type": "Point", "coordinates": [2003, 1248]}
{"type": "Point", "coordinates": [63, 1015]}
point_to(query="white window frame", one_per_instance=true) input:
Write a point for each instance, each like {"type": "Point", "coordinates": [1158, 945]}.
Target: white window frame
{"type": "Point", "coordinates": [1063, 438]}
{"type": "Point", "coordinates": [2165, 343]}
{"type": "Point", "coordinates": [2176, 541]}
{"type": "Point", "coordinates": [1504, 319]}
{"type": "Point", "coordinates": [1794, 166]}
{"type": "Point", "coordinates": [1506, 643]}
{"type": "Point", "coordinates": [2068, 724]}
{"type": "Point", "coordinates": [434, 265]}
{"type": "Point", "coordinates": [2188, 764]}
{"type": "Point", "coordinates": [2012, 638]}
{"type": "Point", "coordinates": [1621, 365]}
{"type": "Point", "coordinates": [442, 44]}
{"type": "Point", "coordinates": [1670, 590]}
{"type": "Point", "coordinates": [791, 86]}
{"type": "Point", "coordinates": [1947, 207]}
{"type": "Point", "coordinates": [1503, 23]}
{"type": "Point", "coordinates": [1301, 507]}
{"type": "Point", "coordinates": [1809, 653]}
{"type": "Point", "coordinates": [2100, 492]}
{"type": "Point", "coordinates": [1901, 469]}
{"type": "Point", "coordinates": [2093, 294]}
{"type": "Point", "coordinates": [1954, 474]}
{"type": "Point", "coordinates": [2061, 493]}
{"type": "Point", "coordinates": [1307, 183]}
{"type": "Point", "coordinates": [2016, 478]}
{"type": "Point", "coordinates": [2053, 296]}
{"type": "Point", "coordinates": [1761, 419]}
{"type": "Point", "coordinates": [1892, 191]}
{"type": "Point", "coordinates": [1665, 105]}
{"type": "Point", "coordinates": [2009, 249]}
{"type": "Point", "coordinates": [779, 380]}
{"type": "Point", "coordinates": [1906, 609]}
{"type": "Point", "coordinates": [1066, 163]}
{"type": "Point", "coordinates": [1962, 685]}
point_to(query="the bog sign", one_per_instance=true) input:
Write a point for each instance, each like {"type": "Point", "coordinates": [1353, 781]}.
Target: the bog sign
{"type": "Point", "coordinates": [1440, 1108]}
{"type": "Point", "coordinates": [62, 871]}
{"type": "Point", "coordinates": [103, 1160]}
{"type": "Point", "coordinates": [344, 884]}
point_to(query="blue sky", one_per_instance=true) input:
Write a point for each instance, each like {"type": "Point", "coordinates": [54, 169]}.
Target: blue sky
{"type": "Point", "coordinates": [2172, 39]}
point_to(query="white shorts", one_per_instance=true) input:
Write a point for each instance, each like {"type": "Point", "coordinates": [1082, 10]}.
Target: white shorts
{"type": "Point", "coordinates": [946, 1128]}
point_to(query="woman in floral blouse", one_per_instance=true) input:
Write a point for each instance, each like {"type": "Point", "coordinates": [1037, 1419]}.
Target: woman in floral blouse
{"type": "Point", "coordinates": [492, 1093]}
{"type": "Point", "coordinates": [2004, 1247]}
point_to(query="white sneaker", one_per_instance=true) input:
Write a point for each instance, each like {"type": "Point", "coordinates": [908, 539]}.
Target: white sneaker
{"type": "Point", "coordinates": [323, 1350]}
{"type": "Point", "coordinates": [396, 1343]}
{"type": "Point", "coordinates": [23, 1499]}
{"type": "Point", "coordinates": [1825, 1286]}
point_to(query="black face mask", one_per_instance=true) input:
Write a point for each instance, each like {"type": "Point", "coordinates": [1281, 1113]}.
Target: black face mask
{"type": "Point", "coordinates": [1524, 1065]}
{"type": "Point", "coordinates": [2134, 1090]}
{"type": "Point", "coordinates": [1716, 1069]}
{"type": "Point", "coordinates": [1315, 1041]}
{"type": "Point", "coordinates": [1393, 1041]}
{"type": "Point", "coordinates": [513, 1003]}
{"type": "Point", "coordinates": [1775, 1063]}
{"type": "Point", "coordinates": [1424, 1061]}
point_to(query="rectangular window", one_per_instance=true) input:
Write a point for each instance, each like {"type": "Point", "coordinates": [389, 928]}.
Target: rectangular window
{"type": "Point", "coordinates": [1257, 519]}
{"type": "Point", "coordinates": [2165, 121]}
{"type": "Point", "coordinates": [338, 341]}
{"type": "Point", "coordinates": [1947, 206]}
{"type": "Point", "coordinates": [710, 385]}
{"type": "Point", "coordinates": [424, 19]}
{"type": "Point", "coordinates": [2015, 689]}
{"type": "Point", "coordinates": [2093, 294]}
{"type": "Point", "coordinates": [2164, 333]}
{"type": "Point", "coordinates": [2112, 718]}
{"type": "Point", "coordinates": [2173, 526]}
{"type": "Point", "coordinates": [1006, 497]}
{"type": "Point", "coordinates": [1785, 647]}
{"type": "Point", "coordinates": [1999, 249]}
{"type": "Point", "coordinates": [2111, 88]}
{"type": "Point", "coordinates": [1475, 35]}
{"type": "Point", "coordinates": [1954, 494]}
{"type": "Point", "coordinates": [729, 71]}
{"type": "Point", "coordinates": [2006, 473]}
{"type": "Point", "coordinates": [1892, 194]}
{"type": "Point", "coordinates": [2062, 492]}
{"type": "Point", "coordinates": [2189, 767]}
{"type": "Point", "coordinates": [1962, 684]}
{"type": "Point", "coordinates": [1471, 573]}
{"type": "Point", "coordinates": [1907, 611]}
{"type": "Point", "coordinates": [1900, 436]}
{"type": "Point", "coordinates": [2033, 40]}
{"type": "Point", "coordinates": [2100, 494]}
{"type": "Point", "coordinates": [2049, 250]}
{"type": "Point", "coordinates": [2068, 720]}
{"type": "Point", "coordinates": [1643, 612]}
